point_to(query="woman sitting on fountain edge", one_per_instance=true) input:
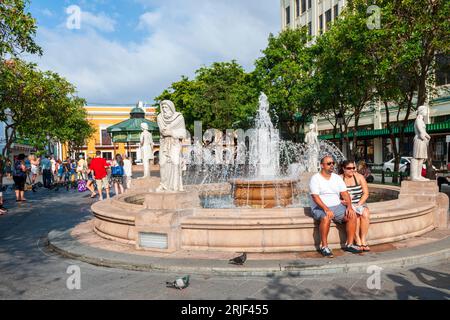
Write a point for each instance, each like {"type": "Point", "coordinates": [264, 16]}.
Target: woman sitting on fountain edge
{"type": "Point", "coordinates": [359, 193]}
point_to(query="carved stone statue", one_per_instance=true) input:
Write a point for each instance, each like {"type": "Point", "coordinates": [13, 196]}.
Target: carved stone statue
{"type": "Point", "coordinates": [313, 147]}
{"type": "Point", "coordinates": [420, 149]}
{"type": "Point", "coordinates": [172, 131]}
{"type": "Point", "coordinates": [147, 148]}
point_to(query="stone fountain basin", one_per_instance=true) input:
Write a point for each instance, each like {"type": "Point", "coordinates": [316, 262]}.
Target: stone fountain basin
{"type": "Point", "coordinates": [263, 193]}
{"type": "Point", "coordinates": [418, 210]}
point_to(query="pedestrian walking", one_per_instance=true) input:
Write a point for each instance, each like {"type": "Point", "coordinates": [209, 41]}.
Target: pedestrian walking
{"type": "Point", "coordinates": [128, 171]}
{"type": "Point", "coordinates": [117, 173]}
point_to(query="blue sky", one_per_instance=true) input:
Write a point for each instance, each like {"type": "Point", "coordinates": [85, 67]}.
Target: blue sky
{"type": "Point", "coordinates": [127, 51]}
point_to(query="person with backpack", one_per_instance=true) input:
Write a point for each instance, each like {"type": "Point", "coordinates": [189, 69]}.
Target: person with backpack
{"type": "Point", "coordinates": [19, 177]}
{"type": "Point", "coordinates": [117, 173]}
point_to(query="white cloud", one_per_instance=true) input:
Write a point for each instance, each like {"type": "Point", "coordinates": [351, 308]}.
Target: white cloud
{"type": "Point", "coordinates": [100, 22]}
{"type": "Point", "coordinates": [149, 20]}
{"type": "Point", "coordinates": [47, 12]}
{"type": "Point", "coordinates": [182, 36]}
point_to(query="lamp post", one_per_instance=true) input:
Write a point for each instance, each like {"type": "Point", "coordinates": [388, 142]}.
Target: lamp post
{"type": "Point", "coordinates": [49, 151]}
{"type": "Point", "coordinates": [340, 120]}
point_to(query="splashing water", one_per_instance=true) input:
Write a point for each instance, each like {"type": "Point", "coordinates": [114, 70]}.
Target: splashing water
{"type": "Point", "coordinates": [260, 156]}
{"type": "Point", "coordinates": [265, 145]}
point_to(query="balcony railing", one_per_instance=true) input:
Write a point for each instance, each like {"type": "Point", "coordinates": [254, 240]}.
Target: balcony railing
{"type": "Point", "coordinates": [103, 144]}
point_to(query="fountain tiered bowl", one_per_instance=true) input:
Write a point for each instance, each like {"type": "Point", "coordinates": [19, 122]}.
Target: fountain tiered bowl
{"type": "Point", "coordinates": [263, 193]}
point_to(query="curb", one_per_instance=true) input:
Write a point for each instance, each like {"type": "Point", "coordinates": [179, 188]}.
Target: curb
{"type": "Point", "coordinates": [64, 244]}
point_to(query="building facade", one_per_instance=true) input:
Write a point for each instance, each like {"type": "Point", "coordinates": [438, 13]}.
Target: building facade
{"type": "Point", "coordinates": [102, 117]}
{"type": "Point", "coordinates": [315, 14]}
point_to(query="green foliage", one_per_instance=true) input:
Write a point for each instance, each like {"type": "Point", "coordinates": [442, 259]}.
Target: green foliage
{"type": "Point", "coordinates": [284, 74]}
{"type": "Point", "coordinates": [222, 96]}
{"type": "Point", "coordinates": [17, 28]}
{"type": "Point", "coordinates": [40, 106]}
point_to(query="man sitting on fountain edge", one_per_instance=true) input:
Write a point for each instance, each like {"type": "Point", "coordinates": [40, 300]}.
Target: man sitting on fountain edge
{"type": "Point", "coordinates": [326, 187]}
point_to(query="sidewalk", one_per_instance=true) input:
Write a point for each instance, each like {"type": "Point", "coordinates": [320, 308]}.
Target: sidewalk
{"type": "Point", "coordinates": [84, 245]}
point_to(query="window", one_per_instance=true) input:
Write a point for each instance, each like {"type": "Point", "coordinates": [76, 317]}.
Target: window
{"type": "Point", "coordinates": [321, 24]}
{"type": "Point", "coordinates": [297, 7]}
{"type": "Point", "coordinates": [442, 69]}
{"type": "Point", "coordinates": [336, 11]}
{"type": "Point", "coordinates": [440, 119]}
{"type": "Point", "coordinates": [310, 28]}
{"type": "Point", "coordinates": [328, 18]}
{"type": "Point", "coordinates": [309, 4]}
{"type": "Point", "coordinates": [303, 6]}
{"type": "Point", "coordinates": [106, 138]}
{"type": "Point", "coordinates": [288, 15]}
{"type": "Point", "coordinates": [107, 155]}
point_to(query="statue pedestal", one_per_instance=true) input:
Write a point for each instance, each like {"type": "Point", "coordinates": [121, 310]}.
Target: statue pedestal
{"type": "Point", "coordinates": [158, 226]}
{"type": "Point", "coordinates": [144, 184]}
{"type": "Point", "coordinates": [428, 191]}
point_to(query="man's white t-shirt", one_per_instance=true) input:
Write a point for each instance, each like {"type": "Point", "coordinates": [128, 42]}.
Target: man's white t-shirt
{"type": "Point", "coordinates": [328, 190]}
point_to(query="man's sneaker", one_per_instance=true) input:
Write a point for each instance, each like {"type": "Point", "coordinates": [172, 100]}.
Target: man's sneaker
{"type": "Point", "coordinates": [326, 252]}
{"type": "Point", "coordinates": [352, 248]}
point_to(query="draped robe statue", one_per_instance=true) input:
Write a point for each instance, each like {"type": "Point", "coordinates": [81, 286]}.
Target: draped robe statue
{"type": "Point", "coordinates": [172, 132]}
{"type": "Point", "coordinates": [147, 148]}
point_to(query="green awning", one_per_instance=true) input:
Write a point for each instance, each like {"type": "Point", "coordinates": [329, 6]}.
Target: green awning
{"type": "Point", "coordinates": [431, 128]}
{"type": "Point", "coordinates": [130, 130]}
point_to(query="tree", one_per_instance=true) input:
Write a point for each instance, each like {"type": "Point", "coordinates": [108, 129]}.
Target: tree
{"type": "Point", "coordinates": [346, 72]}
{"type": "Point", "coordinates": [17, 29]}
{"type": "Point", "coordinates": [284, 75]}
{"type": "Point", "coordinates": [222, 96]}
{"type": "Point", "coordinates": [40, 106]}
{"type": "Point", "coordinates": [412, 34]}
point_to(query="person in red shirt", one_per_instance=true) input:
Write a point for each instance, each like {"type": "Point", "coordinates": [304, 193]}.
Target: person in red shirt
{"type": "Point", "coordinates": [98, 166]}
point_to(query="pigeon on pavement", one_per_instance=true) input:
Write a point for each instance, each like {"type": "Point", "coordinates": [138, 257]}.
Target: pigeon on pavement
{"type": "Point", "coordinates": [179, 283]}
{"type": "Point", "coordinates": [240, 260]}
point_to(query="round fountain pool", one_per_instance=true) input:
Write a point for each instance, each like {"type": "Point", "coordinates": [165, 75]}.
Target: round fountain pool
{"type": "Point", "coordinates": [205, 218]}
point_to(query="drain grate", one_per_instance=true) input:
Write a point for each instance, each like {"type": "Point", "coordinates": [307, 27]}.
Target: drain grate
{"type": "Point", "coordinates": [153, 240]}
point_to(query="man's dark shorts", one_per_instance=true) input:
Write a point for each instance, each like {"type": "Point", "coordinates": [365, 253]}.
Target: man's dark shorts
{"type": "Point", "coordinates": [339, 213]}
{"type": "Point", "coordinates": [19, 183]}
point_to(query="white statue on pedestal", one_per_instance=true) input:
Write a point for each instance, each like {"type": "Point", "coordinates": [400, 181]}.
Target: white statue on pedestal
{"type": "Point", "coordinates": [313, 147]}
{"type": "Point", "coordinates": [172, 131]}
{"type": "Point", "coordinates": [420, 149]}
{"type": "Point", "coordinates": [147, 148]}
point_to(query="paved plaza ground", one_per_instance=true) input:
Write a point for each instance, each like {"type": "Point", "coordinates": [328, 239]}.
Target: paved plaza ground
{"type": "Point", "coordinates": [29, 270]}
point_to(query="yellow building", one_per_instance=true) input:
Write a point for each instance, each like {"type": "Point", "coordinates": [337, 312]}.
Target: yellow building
{"type": "Point", "coordinates": [104, 116]}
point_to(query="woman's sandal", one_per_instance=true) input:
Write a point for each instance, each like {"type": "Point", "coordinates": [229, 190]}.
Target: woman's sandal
{"type": "Point", "coordinates": [365, 247]}
{"type": "Point", "coordinates": [93, 196]}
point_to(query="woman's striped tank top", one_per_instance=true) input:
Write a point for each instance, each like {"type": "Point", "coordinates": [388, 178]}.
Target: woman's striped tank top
{"type": "Point", "coordinates": [355, 191]}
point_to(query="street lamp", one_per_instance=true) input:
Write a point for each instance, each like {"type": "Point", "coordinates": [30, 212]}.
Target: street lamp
{"type": "Point", "coordinates": [340, 120]}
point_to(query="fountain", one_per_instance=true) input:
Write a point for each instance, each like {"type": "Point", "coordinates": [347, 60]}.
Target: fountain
{"type": "Point", "coordinates": [266, 189]}
{"type": "Point", "coordinates": [255, 201]}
